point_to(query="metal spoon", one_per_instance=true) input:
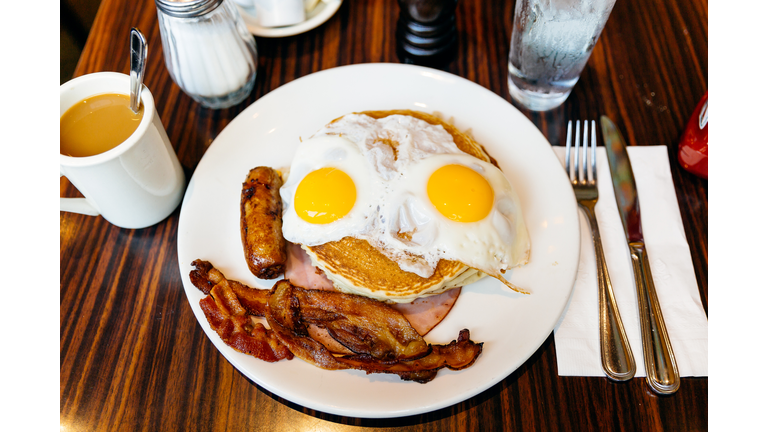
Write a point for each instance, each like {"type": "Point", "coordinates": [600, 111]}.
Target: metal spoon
{"type": "Point", "coordinates": [138, 63]}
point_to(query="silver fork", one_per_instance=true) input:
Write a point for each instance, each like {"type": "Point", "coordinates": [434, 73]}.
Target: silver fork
{"type": "Point", "coordinates": [615, 353]}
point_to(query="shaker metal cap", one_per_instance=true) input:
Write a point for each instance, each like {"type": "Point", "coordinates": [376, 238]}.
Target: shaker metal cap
{"type": "Point", "coordinates": [187, 8]}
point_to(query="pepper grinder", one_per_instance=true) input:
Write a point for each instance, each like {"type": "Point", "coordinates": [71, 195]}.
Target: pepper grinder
{"type": "Point", "coordinates": [426, 32]}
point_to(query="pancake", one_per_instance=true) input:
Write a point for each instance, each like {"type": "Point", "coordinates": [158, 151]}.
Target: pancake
{"type": "Point", "coordinates": [355, 266]}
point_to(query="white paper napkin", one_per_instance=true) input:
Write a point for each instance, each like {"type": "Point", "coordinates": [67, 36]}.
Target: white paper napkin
{"type": "Point", "coordinates": [577, 341]}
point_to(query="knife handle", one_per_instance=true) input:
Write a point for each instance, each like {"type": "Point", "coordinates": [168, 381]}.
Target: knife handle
{"type": "Point", "coordinates": [615, 352]}
{"type": "Point", "coordinates": [660, 365]}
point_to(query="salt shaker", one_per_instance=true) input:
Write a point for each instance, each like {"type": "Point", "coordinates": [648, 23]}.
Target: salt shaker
{"type": "Point", "coordinates": [208, 50]}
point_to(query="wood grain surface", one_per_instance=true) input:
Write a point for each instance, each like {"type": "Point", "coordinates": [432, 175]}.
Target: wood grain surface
{"type": "Point", "coordinates": [134, 358]}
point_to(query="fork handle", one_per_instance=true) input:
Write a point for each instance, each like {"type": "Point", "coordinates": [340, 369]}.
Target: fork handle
{"type": "Point", "coordinates": [660, 365]}
{"type": "Point", "coordinates": [615, 352]}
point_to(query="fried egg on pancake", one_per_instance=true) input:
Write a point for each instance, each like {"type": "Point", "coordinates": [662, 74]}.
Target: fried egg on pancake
{"type": "Point", "coordinates": [455, 207]}
{"type": "Point", "coordinates": [399, 245]}
{"type": "Point", "coordinates": [330, 192]}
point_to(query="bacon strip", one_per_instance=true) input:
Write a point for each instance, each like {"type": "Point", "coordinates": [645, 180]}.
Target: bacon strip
{"type": "Point", "coordinates": [284, 319]}
{"type": "Point", "coordinates": [363, 325]}
{"type": "Point", "coordinates": [458, 354]}
{"type": "Point", "coordinates": [381, 338]}
{"type": "Point", "coordinates": [205, 276]}
{"type": "Point", "coordinates": [232, 323]}
{"type": "Point", "coordinates": [287, 319]}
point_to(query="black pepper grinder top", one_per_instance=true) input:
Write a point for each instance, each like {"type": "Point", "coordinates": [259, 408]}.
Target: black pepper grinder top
{"type": "Point", "coordinates": [426, 32]}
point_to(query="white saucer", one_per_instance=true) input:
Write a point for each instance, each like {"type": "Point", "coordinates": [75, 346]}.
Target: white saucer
{"type": "Point", "coordinates": [320, 14]}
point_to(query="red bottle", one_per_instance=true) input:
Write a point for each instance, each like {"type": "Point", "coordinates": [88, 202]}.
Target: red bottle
{"type": "Point", "coordinates": [692, 150]}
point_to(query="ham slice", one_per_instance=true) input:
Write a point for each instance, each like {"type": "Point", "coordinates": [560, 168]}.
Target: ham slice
{"type": "Point", "coordinates": [423, 314]}
{"type": "Point", "coordinates": [300, 271]}
{"type": "Point", "coordinates": [427, 312]}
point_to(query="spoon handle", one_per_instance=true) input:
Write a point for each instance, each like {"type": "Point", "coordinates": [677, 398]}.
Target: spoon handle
{"type": "Point", "coordinates": [138, 62]}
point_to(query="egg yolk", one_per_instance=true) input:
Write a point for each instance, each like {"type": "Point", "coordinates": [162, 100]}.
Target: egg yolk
{"type": "Point", "coordinates": [324, 196]}
{"type": "Point", "coordinates": [460, 193]}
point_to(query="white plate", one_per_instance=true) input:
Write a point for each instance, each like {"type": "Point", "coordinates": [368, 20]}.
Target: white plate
{"type": "Point", "coordinates": [512, 326]}
{"type": "Point", "coordinates": [320, 14]}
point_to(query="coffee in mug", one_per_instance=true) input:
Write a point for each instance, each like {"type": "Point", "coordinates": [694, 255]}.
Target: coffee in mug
{"type": "Point", "coordinates": [98, 124]}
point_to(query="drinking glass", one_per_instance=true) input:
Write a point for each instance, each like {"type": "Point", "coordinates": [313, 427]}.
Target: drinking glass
{"type": "Point", "coordinates": [551, 42]}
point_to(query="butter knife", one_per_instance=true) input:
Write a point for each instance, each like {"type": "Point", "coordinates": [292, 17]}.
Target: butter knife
{"type": "Point", "coordinates": [660, 365]}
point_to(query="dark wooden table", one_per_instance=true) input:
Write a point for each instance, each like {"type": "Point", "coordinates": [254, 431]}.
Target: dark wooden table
{"type": "Point", "coordinates": [132, 355]}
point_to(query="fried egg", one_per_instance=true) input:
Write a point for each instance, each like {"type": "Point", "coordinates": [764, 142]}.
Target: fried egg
{"type": "Point", "coordinates": [329, 193]}
{"type": "Point", "coordinates": [455, 207]}
{"type": "Point", "coordinates": [417, 201]}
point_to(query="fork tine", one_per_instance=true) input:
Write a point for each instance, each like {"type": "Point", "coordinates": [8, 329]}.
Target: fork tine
{"type": "Point", "coordinates": [585, 136]}
{"type": "Point", "coordinates": [568, 151]}
{"type": "Point", "coordinates": [576, 157]}
{"type": "Point", "coordinates": [593, 171]}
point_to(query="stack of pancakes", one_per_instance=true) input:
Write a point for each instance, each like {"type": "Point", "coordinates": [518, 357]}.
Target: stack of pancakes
{"type": "Point", "coordinates": [356, 267]}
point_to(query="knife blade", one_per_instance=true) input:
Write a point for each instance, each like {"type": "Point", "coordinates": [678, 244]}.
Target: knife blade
{"type": "Point", "coordinates": [660, 365]}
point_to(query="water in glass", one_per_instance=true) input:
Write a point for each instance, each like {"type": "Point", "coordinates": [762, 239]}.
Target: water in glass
{"type": "Point", "coordinates": [551, 43]}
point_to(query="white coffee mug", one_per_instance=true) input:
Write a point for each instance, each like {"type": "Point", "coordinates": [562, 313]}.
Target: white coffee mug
{"type": "Point", "coordinates": [136, 184]}
{"type": "Point", "coordinates": [279, 13]}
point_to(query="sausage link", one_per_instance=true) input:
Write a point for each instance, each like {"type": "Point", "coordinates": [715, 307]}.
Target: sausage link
{"type": "Point", "coordinates": [261, 223]}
